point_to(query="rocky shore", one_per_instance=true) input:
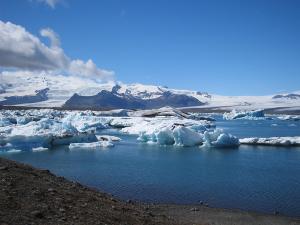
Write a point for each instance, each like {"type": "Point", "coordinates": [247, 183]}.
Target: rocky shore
{"type": "Point", "coordinates": [35, 196]}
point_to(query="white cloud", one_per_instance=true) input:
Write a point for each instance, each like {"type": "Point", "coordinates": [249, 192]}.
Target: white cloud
{"type": "Point", "coordinates": [89, 69]}
{"type": "Point", "coordinates": [20, 49]}
{"type": "Point", "coordinates": [49, 33]}
{"type": "Point", "coordinates": [51, 3]}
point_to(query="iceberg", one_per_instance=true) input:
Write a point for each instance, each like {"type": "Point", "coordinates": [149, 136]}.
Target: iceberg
{"type": "Point", "coordinates": [108, 138]}
{"type": "Point", "coordinates": [248, 115]}
{"type": "Point", "coordinates": [91, 146]}
{"type": "Point", "coordinates": [114, 113]}
{"type": "Point", "coordinates": [39, 149]}
{"type": "Point", "coordinates": [272, 141]}
{"type": "Point", "coordinates": [289, 118]}
{"type": "Point", "coordinates": [187, 137]}
{"type": "Point", "coordinates": [86, 122]}
{"type": "Point", "coordinates": [162, 137]}
{"type": "Point", "coordinates": [45, 132]}
{"type": "Point", "coordinates": [218, 138]}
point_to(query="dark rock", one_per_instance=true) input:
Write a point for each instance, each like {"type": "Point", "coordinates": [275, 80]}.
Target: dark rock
{"type": "Point", "coordinates": [113, 100]}
{"type": "Point", "coordinates": [40, 95]}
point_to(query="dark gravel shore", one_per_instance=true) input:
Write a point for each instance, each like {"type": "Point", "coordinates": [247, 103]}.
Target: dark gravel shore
{"type": "Point", "coordinates": [34, 196]}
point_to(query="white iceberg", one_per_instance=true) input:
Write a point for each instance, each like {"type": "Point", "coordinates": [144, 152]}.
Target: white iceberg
{"type": "Point", "coordinates": [249, 115]}
{"type": "Point", "coordinates": [184, 136]}
{"type": "Point", "coordinates": [164, 112]}
{"type": "Point", "coordinates": [86, 122]}
{"type": "Point", "coordinates": [218, 138]}
{"type": "Point", "coordinates": [39, 149]}
{"type": "Point", "coordinates": [91, 146]}
{"type": "Point", "coordinates": [108, 138]}
{"type": "Point", "coordinates": [289, 117]}
{"type": "Point", "coordinates": [114, 113]}
{"type": "Point", "coordinates": [272, 141]}
{"type": "Point", "coordinates": [45, 133]}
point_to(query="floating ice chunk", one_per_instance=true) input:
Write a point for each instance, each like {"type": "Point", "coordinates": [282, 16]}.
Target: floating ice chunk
{"type": "Point", "coordinates": [14, 151]}
{"type": "Point", "coordinates": [218, 138]}
{"type": "Point", "coordinates": [274, 141]}
{"type": "Point", "coordinates": [114, 113]}
{"type": "Point", "coordinates": [122, 122]}
{"type": "Point", "coordinates": [249, 115]}
{"type": "Point", "coordinates": [199, 116]}
{"type": "Point", "coordinates": [45, 132]}
{"type": "Point", "coordinates": [39, 149]}
{"type": "Point", "coordinates": [226, 140]}
{"type": "Point", "coordinates": [23, 120]}
{"type": "Point", "coordinates": [91, 145]}
{"type": "Point", "coordinates": [165, 137]}
{"type": "Point", "coordinates": [186, 137]}
{"type": "Point", "coordinates": [151, 125]}
{"type": "Point", "coordinates": [289, 117]}
{"type": "Point", "coordinates": [164, 111]}
{"type": "Point", "coordinates": [292, 125]}
{"type": "Point", "coordinates": [108, 138]}
{"type": "Point", "coordinates": [161, 137]}
{"type": "Point", "coordinates": [5, 122]}
{"type": "Point", "coordinates": [86, 122]}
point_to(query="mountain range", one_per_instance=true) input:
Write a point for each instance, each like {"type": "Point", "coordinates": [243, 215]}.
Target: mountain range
{"type": "Point", "coordinates": [72, 92]}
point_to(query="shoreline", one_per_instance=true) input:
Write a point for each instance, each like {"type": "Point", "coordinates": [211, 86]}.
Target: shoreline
{"type": "Point", "coordinates": [36, 196]}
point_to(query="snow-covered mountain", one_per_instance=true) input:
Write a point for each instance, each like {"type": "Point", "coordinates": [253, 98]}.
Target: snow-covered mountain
{"type": "Point", "coordinates": [21, 88]}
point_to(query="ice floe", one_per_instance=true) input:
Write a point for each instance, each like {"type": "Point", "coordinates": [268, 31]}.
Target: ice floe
{"type": "Point", "coordinates": [273, 141]}
{"type": "Point", "coordinates": [39, 149]}
{"type": "Point", "coordinates": [289, 117]}
{"type": "Point", "coordinates": [91, 146]}
{"type": "Point", "coordinates": [108, 138]}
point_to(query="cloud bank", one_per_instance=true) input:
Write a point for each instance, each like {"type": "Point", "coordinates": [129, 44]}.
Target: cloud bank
{"type": "Point", "coordinates": [21, 50]}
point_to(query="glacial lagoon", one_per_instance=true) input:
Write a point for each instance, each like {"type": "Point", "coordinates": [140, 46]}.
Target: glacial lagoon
{"type": "Point", "coordinates": [256, 178]}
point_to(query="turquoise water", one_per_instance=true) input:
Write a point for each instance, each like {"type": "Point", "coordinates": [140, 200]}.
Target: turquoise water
{"type": "Point", "coordinates": [263, 179]}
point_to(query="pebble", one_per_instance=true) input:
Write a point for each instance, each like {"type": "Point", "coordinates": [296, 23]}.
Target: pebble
{"type": "Point", "coordinates": [62, 210]}
{"type": "Point", "coordinates": [37, 214]}
{"type": "Point", "coordinates": [50, 190]}
{"type": "Point", "coordinates": [3, 168]}
{"type": "Point", "coordinates": [194, 209]}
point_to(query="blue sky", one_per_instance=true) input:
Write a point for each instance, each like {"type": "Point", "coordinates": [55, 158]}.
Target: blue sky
{"type": "Point", "coordinates": [226, 47]}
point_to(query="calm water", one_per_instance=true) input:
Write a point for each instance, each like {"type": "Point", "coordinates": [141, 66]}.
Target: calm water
{"type": "Point", "coordinates": [261, 179]}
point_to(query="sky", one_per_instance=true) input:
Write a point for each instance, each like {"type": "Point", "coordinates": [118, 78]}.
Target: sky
{"type": "Point", "coordinates": [232, 47]}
